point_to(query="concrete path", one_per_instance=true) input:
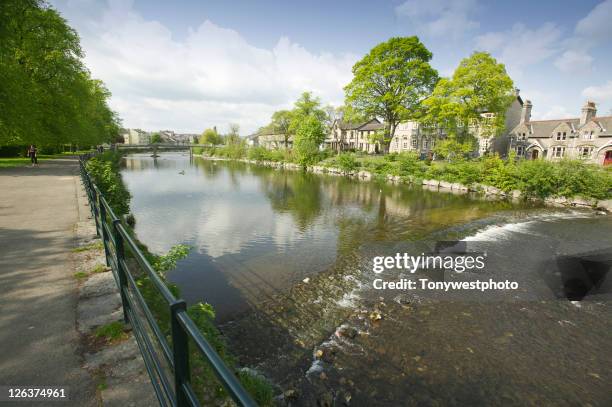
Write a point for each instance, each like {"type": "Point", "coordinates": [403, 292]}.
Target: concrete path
{"type": "Point", "coordinates": [39, 344]}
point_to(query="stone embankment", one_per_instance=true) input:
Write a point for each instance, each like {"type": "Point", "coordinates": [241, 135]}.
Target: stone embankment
{"type": "Point", "coordinates": [486, 191]}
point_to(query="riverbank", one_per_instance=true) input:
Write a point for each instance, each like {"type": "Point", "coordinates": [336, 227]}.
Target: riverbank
{"type": "Point", "coordinates": [477, 189]}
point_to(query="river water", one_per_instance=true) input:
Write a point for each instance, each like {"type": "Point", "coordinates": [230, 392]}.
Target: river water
{"type": "Point", "coordinates": [286, 259]}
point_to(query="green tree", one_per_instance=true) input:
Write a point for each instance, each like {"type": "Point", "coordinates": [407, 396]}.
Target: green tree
{"type": "Point", "coordinates": [391, 81]}
{"type": "Point", "coordinates": [210, 136]}
{"type": "Point", "coordinates": [233, 136]}
{"type": "Point", "coordinates": [306, 107]}
{"type": "Point", "coordinates": [281, 122]}
{"type": "Point", "coordinates": [309, 135]}
{"type": "Point", "coordinates": [47, 96]}
{"type": "Point", "coordinates": [351, 115]}
{"type": "Point", "coordinates": [479, 85]}
{"type": "Point", "coordinates": [156, 138]}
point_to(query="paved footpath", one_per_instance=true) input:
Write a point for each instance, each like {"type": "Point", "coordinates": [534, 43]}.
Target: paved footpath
{"type": "Point", "coordinates": [39, 344]}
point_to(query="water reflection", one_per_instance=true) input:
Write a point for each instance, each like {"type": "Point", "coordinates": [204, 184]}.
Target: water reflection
{"type": "Point", "coordinates": [260, 230]}
{"type": "Point", "coordinates": [259, 233]}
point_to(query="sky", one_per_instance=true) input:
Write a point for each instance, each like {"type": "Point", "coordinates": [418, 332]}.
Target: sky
{"type": "Point", "coordinates": [190, 65]}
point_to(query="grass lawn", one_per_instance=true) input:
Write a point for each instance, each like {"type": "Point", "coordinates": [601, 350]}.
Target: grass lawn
{"type": "Point", "coordinates": [13, 162]}
{"type": "Point", "coordinates": [10, 162]}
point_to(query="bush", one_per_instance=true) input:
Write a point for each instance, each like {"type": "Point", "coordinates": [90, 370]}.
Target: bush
{"type": "Point", "coordinates": [347, 162]}
{"type": "Point", "coordinates": [410, 165]}
{"type": "Point", "coordinates": [104, 170]}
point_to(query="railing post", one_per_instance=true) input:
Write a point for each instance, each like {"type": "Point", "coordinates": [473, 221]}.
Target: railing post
{"type": "Point", "coordinates": [120, 256]}
{"type": "Point", "coordinates": [180, 350]}
{"type": "Point", "coordinates": [104, 234]}
{"type": "Point", "coordinates": [94, 206]}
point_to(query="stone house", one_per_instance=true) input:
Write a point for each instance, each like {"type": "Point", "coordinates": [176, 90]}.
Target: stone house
{"type": "Point", "coordinates": [587, 137]}
{"type": "Point", "coordinates": [413, 136]}
{"type": "Point", "coordinates": [135, 136]}
{"type": "Point", "coordinates": [354, 136]}
{"type": "Point", "coordinates": [270, 139]}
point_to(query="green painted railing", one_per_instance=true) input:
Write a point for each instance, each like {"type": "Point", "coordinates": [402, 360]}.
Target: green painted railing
{"type": "Point", "coordinates": [170, 374]}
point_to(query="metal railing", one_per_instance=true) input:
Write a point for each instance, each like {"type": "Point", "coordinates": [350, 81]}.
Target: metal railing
{"type": "Point", "coordinates": [174, 387]}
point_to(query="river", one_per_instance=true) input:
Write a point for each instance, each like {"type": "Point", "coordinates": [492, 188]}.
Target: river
{"type": "Point", "coordinates": [286, 259]}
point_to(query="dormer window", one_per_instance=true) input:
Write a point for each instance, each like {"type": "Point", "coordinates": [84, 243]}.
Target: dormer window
{"type": "Point", "coordinates": [561, 136]}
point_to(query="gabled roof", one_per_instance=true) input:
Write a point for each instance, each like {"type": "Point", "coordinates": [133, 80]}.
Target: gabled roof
{"type": "Point", "coordinates": [342, 125]}
{"type": "Point", "coordinates": [373, 124]}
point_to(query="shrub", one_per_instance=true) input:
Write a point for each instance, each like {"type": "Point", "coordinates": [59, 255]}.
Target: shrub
{"type": "Point", "coordinates": [410, 165]}
{"type": "Point", "coordinates": [347, 162]}
{"type": "Point", "coordinates": [104, 169]}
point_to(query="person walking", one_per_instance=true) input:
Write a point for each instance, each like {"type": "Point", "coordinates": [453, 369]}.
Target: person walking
{"type": "Point", "coordinates": [33, 154]}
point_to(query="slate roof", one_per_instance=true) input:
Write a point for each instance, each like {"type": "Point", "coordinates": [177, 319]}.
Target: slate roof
{"type": "Point", "coordinates": [347, 125]}
{"type": "Point", "coordinates": [373, 124]}
{"type": "Point", "coordinates": [544, 128]}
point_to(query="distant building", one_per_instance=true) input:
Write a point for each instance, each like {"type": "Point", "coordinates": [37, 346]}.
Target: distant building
{"type": "Point", "coordinates": [135, 136]}
{"type": "Point", "coordinates": [587, 137]}
{"type": "Point", "coordinates": [270, 139]}
{"type": "Point", "coordinates": [413, 136]}
{"type": "Point", "coordinates": [252, 140]}
{"type": "Point", "coordinates": [354, 136]}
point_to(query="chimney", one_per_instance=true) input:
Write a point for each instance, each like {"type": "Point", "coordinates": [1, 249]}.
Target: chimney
{"type": "Point", "coordinates": [588, 112]}
{"type": "Point", "coordinates": [526, 112]}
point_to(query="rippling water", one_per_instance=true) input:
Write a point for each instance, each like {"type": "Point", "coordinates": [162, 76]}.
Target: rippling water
{"type": "Point", "coordinates": [285, 258]}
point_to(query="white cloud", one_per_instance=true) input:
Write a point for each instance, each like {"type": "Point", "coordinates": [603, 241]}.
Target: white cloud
{"type": "Point", "coordinates": [599, 94]}
{"type": "Point", "coordinates": [574, 61]}
{"type": "Point", "coordinates": [555, 112]}
{"type": "Point", "coordinates": [212, 77]}
{"type": "Point", "coordinates": [521, 46]}
{"type": "Point", "coordinates": [596, 25]}
{"type": "Point", "coordinates": [440, 18]}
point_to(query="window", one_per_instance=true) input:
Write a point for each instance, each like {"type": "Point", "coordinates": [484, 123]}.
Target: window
{"type": "Point", "coordinates": [425, 143]}
{"type": "Point", "coordinates": [520, 150]}
{"type": "Point", "coordinates": [414, 142]}
{"type": "Point", "coordinates": [405, 145]}
{"type": "Point", "coordinates": [558, 152]}
{"type": "Point", "coordinates": [585, 152]}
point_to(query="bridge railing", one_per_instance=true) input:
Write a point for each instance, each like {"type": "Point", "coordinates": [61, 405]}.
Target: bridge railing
{"type": "Point", "coordinates": [166, 357]}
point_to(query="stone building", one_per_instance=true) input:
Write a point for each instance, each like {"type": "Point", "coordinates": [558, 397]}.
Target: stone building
{"type": "Point", "coordinates": [135, 136]}
{"type": "Point", "coordinates": [345, 136]}
{"type": "Point", "coordinates": [413, 136]}
{"type": "Point", "coordinates": [587, 137]}
{"type": "Point", "coordinates": [270, 139]}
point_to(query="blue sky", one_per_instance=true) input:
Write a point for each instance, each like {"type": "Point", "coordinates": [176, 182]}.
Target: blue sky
{"type": "Point", "coordinates": [188, 65]}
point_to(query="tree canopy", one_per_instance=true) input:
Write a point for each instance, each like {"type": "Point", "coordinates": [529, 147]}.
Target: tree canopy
{"type": "Point", "coordinates": [479, 85]}
{"type": "Point", "coordinates": [391, 81]}
{"type": "Point", "coordinates": [309, 135]}
{"type": "Point", "coordinates": [47, 96]}
{"type": "Point", "coordinates": [210, 136]}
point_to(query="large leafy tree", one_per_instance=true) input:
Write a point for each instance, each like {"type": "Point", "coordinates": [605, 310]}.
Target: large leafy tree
{"type": "Point", "coordinates": [210, 136]}
{"type": "Point", "coordinates": [391, 81]}
{"type": "Point", "coordinates": [281, 122]}
{"type": "Point", "coordinates": [47, 96]}
{"type": "Point", "coordinates": [458, 104]}
{"type": "Point", "coordinates": [309, 135]}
